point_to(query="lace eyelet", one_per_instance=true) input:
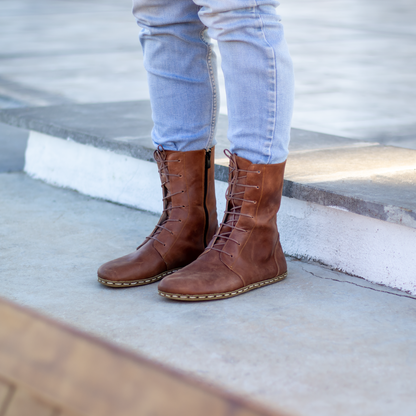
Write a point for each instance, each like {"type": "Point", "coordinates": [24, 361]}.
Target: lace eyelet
{"type": "Point", "coordinates": [180, 176]}
{"type": "Point", "coordinates": [258, 187]}
{"type": "Point", "coordinates": [258, 172]}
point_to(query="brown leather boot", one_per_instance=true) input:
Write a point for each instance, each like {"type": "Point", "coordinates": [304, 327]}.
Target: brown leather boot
{"type": "Point", "coordinates": [246, 253]}
{"type": "Point", "coordinates": [187, 224]}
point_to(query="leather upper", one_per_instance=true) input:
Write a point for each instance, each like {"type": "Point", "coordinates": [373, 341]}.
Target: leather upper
{"type": "Point", "coordinates": [247, 248]}
{"type": "Point", "coordinates": [178, 239]}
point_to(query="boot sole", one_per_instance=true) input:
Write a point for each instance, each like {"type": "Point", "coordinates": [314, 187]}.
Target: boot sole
{"type": "Point", "coordinates": [141, 282]}
{"type": "Point", "coordinates": [224, 295]}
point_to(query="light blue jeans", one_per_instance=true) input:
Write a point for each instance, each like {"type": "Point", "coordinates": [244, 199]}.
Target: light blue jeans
{"type": "Point", "coordinates": [182, 74]}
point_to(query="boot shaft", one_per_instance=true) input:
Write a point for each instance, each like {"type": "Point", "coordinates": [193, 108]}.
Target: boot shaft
{"type": "Point", "coordinates": [257, 188]}
{"type": "Point", "coordinates": [189, 203]}
{"type": "Point", "coordinates": [249, 225]}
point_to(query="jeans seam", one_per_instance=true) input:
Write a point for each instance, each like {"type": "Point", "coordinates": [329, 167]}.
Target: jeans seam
{"type": "Point", "coordinates": [274, 112]}
{"type": "Point", "coordinates": [213, 89]}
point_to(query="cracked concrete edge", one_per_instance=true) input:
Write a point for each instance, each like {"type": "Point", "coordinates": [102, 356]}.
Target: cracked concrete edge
{"type": "Point", "coordinates": [323, 271]}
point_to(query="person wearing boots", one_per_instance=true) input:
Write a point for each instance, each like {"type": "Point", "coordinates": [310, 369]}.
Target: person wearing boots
{"type": "Point", "coordinates": [193, 257]}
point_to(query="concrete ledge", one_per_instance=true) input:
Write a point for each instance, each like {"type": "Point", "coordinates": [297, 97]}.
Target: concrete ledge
{"type": "Point", "coordinates": [348, 204]}
{"type": "Point", "coordinates": [378, 251]}
{"type": "Point", "coordinates": [363, 178]}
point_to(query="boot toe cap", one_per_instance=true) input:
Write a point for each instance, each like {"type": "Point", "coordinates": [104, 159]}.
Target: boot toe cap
{"type": "Point", "coordinates": [139, 265]}
{"type": "Point", "coordinates": [194, 280]}
{"type": "Point", "coordinates": [106, 271]}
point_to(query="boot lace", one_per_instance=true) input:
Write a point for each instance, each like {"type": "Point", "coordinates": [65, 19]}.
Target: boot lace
{"type": "Point", "coordinates": [163, 169]}
{"type": "Point", "coordinates": [235, 198]}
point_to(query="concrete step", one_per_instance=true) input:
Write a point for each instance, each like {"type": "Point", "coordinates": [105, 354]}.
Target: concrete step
{"type": "Point", "coordinates": [350, 205]}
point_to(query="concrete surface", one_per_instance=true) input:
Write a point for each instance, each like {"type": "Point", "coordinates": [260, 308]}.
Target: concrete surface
{"type": "Point", "coordinates": [318, 343]}
{"type": "Point", "coordinates": [375, 181]}
{"type": "Point", "coordinates": [354, 61]}
{"type": "Point", "coordinates": [13, 142]}
{"type": "Point", "coordinates": [122, 127]}
{"type": "Point", "coordinates": [355, 67]}
{"type": "Point", "coordinates": [125, 128]}
{"type": "Point", "coordinates": [378, 251]}
{"type": "Point", "coordinates": [361, 177]}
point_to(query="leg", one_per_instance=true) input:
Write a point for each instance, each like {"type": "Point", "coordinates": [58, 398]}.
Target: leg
{"type": "Point", "coordinates": [180, 63]}
{"type": "Point", "coordinates": [246, 253]}
{"type": "Point", "coordinates": [181, 67]}
{"type": "Point", "coordinates": [258, 74]}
